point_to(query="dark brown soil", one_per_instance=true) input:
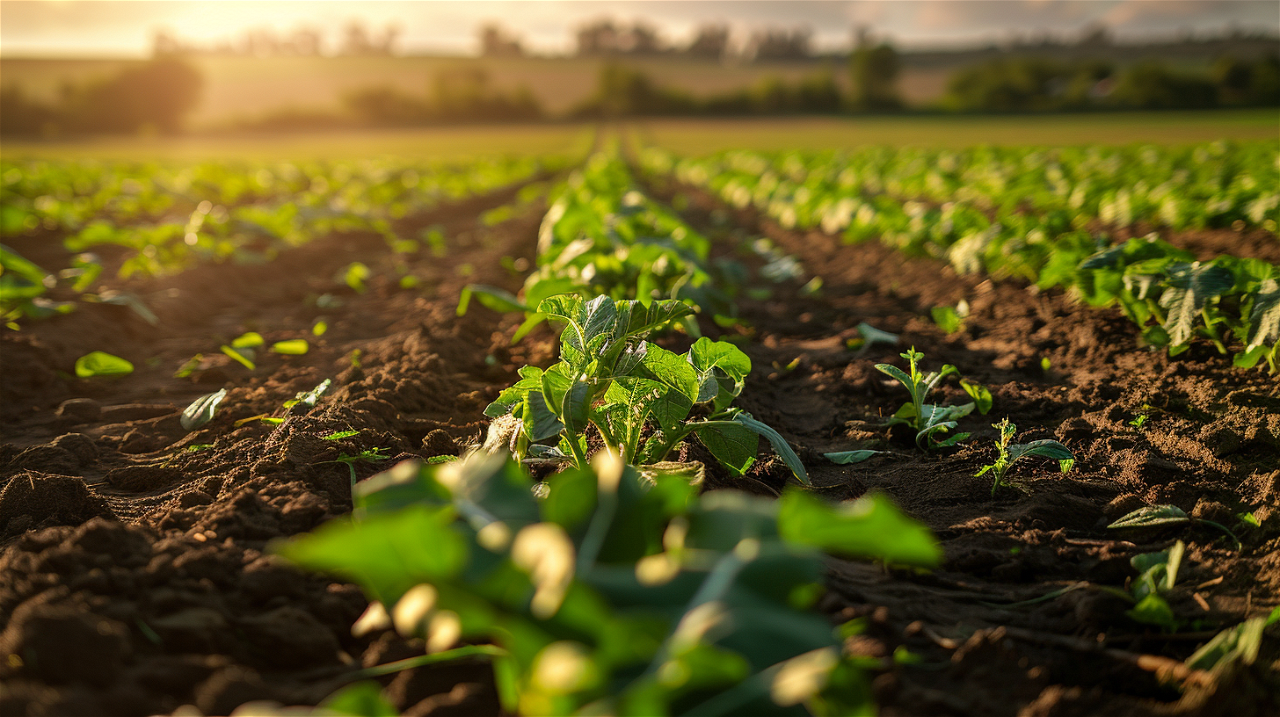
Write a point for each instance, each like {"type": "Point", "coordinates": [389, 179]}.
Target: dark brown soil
{"type": "Point", "coordinates": [135, 575]}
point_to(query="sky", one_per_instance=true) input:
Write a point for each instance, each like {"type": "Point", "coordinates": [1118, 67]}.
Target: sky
{"type": "Point", "coordinates": [126, 28]}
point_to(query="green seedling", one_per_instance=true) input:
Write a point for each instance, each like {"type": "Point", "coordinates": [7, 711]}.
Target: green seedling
{"type": "Point", "coordinates": [1012, 453]}
{"type": "Point", "coordinates": [369, 455]}
{"type": "Point", "coordinates": [947, 319]}
{"type": "Point", "coordinates": [355, 276]}
{"type": "Point", "coordinates": [638, 396]}
{"type": "Point", "coordinates": [1235, 645]}
{"type": "Point", "coordinates": [189, 366]}
{"type": "Point", "coordinates": [1156, 515]}
{"type": "Point", "coordinates": [869, 336]}
{"type": "Point", "coordinates": [101, 363]}
{"type": "Point", "coordinates": [202, 409]}
{"type": "Point", "coordinates": [339, 435]}
{"type": "Point", "coordinates": [319, 327]}
{"type": "Point", "coordinates": [850, 457]}
{"type": "Point", "coordinates": [243, 356]}
{"type": "Point", "coordinates": [291, 347]}
{"type": "Point", "coordinates": [926, 419]}
{"type": "Point", "coordinates": [249, 340]}
{"type": "Point", "coordinates": [614, 590]}
{"type": "Point", "coordinates": [1157, 573]}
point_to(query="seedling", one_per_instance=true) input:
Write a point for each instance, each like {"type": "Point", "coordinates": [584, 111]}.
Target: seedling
{"type": "Point", "coordinates": [101, 363]}
{"type": "Point", "coordinates": [369, 455]}
{"type": "Point", "coordinates": [1010, 454]}
{"type": "Point", "coordinates": [202, 409]}
{"type": "Point", "coordinates": [614, 588]}
{"type": "Point", "coordinates": [637, 395]}
{"type": "Point", "coordinates": [1157, 573]}
{"type": "Point", "coordinates": [925, 418]}
{"type": "Point", "coordinates": [1154, 515]}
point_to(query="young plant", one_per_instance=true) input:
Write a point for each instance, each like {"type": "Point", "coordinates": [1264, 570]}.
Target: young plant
{"type": "Point", "coordinates": [1154, 515]}
{"type": "Point", "coordinates": [609, 592]}
{"type": "Point", "coordinates": [1157, 573]}
{"type": "Point", "coordinates": [1009, 454]}
{"type": "Point", "coordinates": [925, 418]}
{"type": "Point", "coordinates": [640, 397]}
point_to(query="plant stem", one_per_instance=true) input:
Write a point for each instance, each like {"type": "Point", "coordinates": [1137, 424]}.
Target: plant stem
{"type": "Point", "coordinates": [457, 653]}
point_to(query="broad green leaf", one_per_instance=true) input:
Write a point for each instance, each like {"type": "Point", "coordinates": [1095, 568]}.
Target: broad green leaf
{"type": "Point", "coordinates": [291, 347]}
{"type": "Point", "coordinates": [491, 297]}
{"type": "Point", "coordinates": [576, 407]}
{"type": "Point", "coordinates": [900, 375]}
{"type": "Point", "coordinates": [1189, 287]}
{"type": "Point", "coordinates": [642, 319]}
{"type": "Point", "coordinates": [848, 457]}
{"type": "Point", "coordinates": [202, 409]}
{"type": "Point", "coordinates": [780, 445]}
{"type": "Point", "coordinates": [1152, 515]}
{"type": "Point", "coordinates": [1046, 447]}
{"type": "Point", "coordinates": [671, 369]}
{"type": "Point", "coordinates": [1264, 317]}
{"type": "Point", "coordinates": [540, 422]}
{"type": "Point", "coordinates": [100, 363]}
{"type": "Point", "coordinates": [1154, 610]}
{"type": "Point", "coordinates": [387, 553]}
{"type": "Point", "coordinates": [870, 527]}
{"type": "Point", "coordinates": [734, 446]}
{"type": "Point", "coordinates": [530, 379]}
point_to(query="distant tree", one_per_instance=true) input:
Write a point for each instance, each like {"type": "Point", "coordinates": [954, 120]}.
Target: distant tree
{"type": "Point", "coordinates": [496, 42]}
{"type": "Point", "coordinates": [1241, 82]}
{"type": "Point", "coordinates": [780, 44]}
{"type": "Point", "coordinates": [1151, 85]}
{"type": "Point", "coordinates": [156, 95]}
{"type": "Point", "coordinates": [711, 42]}
{"type": "Point", "coordinates": [875, 75]}
{"type": "Point", "coordinates": [600, 37]}
{"type": "Point", "coordinates": [20, 115]}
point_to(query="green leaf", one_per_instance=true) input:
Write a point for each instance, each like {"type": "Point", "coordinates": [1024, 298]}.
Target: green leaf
{"type": "Point", "coordinates": [1046, 447]}
{"type": "Point", "coordinates": [901, 376]}
{"type": "Point", "coordinates": [734, 446]}
{"type": "Point", "coordinates": [202, 409]}
{"type": "Point", "coordinates": [491, 297]}
{"type": "Point", "coordinates": [946, 318]}
{"type": "Point", "coordinates": [870, 527]}
{"type": "Point", "coordinates": [980, 394]}
{"type": "Point", "coordinates": [100, 363]}
{"type": "Point", "coordinates": [1154, 610]}
{"type": "Point", "coordinates": [642, 319]}
{"type": "Point", "coordinates": [1189, 287]}
{"type": "Point", "coordinates": [848, 457]}
{"type": "Point", "coordinates": [387, 553]}
{"type": "Point", "coordinates": [308, 399]}
{"type": "Point", "coordinates": [249, 340]}
{"type": "Point", "coordinates": [1240, 643]}
{"type": "Point", "coordinates": [530, 379]}
{"type": "Point", "coordinates": [361, 699]}
{"type": "Point", "coordinates": [540, 422]}
{"type": "Point", "coordinates": [291, 347]}
{"type": "Point", "coordinates": [1152, 515]}
{"type": "Point", "coordinates": [1264, 317]}
{"type": "Point", "coordinates": [671, 369]}
{"type": "Point", "coordinates": [780, 445]}
{"type": "Point", "coordinates": [239, 356]}
{"type": "Point", "coordinates": [355, 275]}
{"type": "Point", "coordinates": [871, 335]}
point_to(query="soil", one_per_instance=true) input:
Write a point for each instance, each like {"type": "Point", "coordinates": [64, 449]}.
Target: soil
{"type": "Point", "coordinates": [136, 575]}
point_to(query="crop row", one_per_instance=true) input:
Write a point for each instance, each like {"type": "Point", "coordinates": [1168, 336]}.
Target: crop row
{"type": "Point", "coordinates": [1034, 214]}
{"type": "Point", "coordinates": [164, 218]}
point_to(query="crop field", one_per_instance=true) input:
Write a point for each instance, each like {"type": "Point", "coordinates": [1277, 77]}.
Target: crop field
{"type": "Point", "coordinates": [660, 419]}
